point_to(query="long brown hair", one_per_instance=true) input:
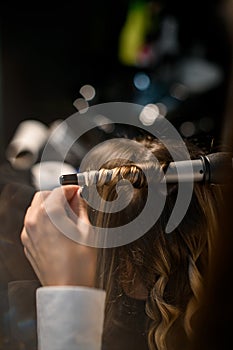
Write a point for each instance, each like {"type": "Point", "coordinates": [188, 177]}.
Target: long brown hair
{"type": "Point", "coordinates": [172, 268]}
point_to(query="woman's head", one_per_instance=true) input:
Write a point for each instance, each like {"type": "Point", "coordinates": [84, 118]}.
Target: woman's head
{"type": "Point", "coordinates": [167, 270]}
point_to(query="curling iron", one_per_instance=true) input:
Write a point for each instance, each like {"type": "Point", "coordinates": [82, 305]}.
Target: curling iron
{"type": "Point", "coordinates": [215, 168]}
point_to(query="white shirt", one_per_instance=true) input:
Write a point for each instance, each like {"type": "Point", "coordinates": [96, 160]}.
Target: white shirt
{"type": "Point", "coordinates": [70, 318]}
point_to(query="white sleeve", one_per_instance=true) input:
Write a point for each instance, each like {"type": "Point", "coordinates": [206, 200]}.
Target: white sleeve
{"type": "Point", "coordinates": [70, 318]}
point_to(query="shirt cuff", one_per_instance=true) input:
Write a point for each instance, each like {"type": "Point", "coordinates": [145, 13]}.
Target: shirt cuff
{"type": "Point", "coordinates": [70, 317]}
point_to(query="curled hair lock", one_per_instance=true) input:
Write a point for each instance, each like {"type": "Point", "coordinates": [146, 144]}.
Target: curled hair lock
{"type": "Point", "coordinates": [138, 175]}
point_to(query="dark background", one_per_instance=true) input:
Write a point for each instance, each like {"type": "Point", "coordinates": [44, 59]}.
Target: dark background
{"type": "Point", "coordinates": [48, 51]}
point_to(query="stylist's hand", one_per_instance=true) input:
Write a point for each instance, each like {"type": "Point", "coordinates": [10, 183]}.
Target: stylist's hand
{"type": "Point", "coordinates": [55, 258]}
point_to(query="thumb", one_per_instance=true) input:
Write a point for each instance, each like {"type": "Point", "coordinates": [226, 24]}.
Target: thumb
{"type": "Point", "coordinates": [75, 201]}
{"type": "Point", "coordinates": [71, 194]}
{"type": "Point", "coordinates": [70, 191]}
{"type": "Point", "coordinates": [79, 206]}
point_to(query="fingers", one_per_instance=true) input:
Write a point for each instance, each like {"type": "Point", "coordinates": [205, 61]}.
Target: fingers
{"type": "Point", "coordinates": [61, 197]}
{"type": "Point", "coordinates": [34, 210]}
{"type": "Point", "coordinates": [52, 240]}
{"type": "Point", "coordinates": [47, 208]}
{"type": "Point", "coordinates": [61, 209]}
{"type": "Point", "coordinates": [67, 202]}
{"type": "Point", "coordinates": [40, 197]}
{"type": "Point", "coordinates": [31, 219]}
{"type": "Point", "coordinates": [58, 199]}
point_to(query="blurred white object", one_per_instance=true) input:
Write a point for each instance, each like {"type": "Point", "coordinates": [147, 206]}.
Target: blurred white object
{"type": "Point", "coordinates": [24, 148]}
{"type": "Point", "coordinates": [199, 75]}
{"type": "Point", "coordinates": [45, 175]}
